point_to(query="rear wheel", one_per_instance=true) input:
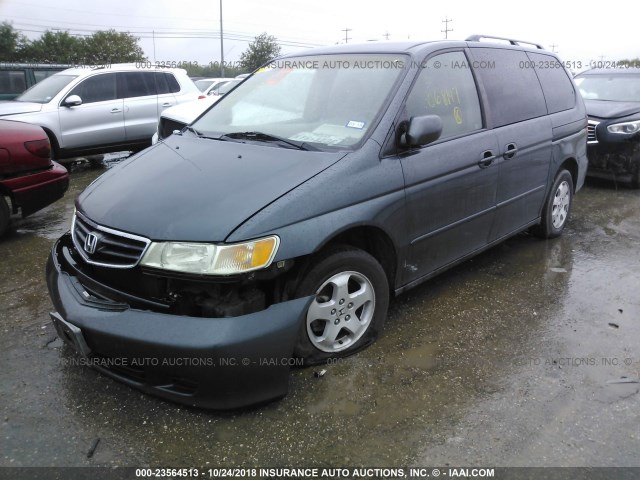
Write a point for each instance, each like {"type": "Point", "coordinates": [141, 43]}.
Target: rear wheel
{"type": "Point", "coordinates": [350, 306]}
{"type": "Point", "coordinates": [5, 215]}
{"type": "Point", "coordinates": [557, 207]}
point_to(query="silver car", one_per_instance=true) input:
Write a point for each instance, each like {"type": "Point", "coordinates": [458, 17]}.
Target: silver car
{"type": "Point", "coordinates": [97, 110]}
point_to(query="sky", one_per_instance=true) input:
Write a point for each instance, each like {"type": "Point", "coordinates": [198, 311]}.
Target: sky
{"type": "Point", "coordinates": [189, 30]}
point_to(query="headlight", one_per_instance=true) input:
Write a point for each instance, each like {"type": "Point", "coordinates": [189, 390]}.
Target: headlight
{"type": "Point", "coordinates": [211, 259]}
{"type": "Point", "coordinates": [627, 128]}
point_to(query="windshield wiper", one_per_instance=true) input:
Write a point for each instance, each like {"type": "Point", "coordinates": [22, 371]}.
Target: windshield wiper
{"type": "Point", "coordinates": [266, 137]}
{"type": "Point", "coordinates": [191, 129]}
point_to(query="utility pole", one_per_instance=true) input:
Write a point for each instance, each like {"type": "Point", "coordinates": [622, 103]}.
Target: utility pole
{"type": "Point", "coordinates": [553, 47]}
{"type": "Point", "coordinates": [446, 27]}
{"type": "Point", "coordinates": [386, 35]}
{"type": "Point", "coordinates": [221, 44]}
{"type": "Point", "coordinates": [346, 33]}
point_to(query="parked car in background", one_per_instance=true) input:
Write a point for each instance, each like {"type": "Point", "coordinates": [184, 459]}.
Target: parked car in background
{"type": "Point", "coordinates": [28, 176]}
{"type": "Point", "coordinates": [206, 84]}
{"type": "Point", "coordinates": [178, 117]}
{"type": "Point", "coordinates": [97, 110]}
{"type": "Point", "coordinates": [224, 88]}
{"type": "Point", "coordinates": [15, 78]}
{"type": "Point", "coordinates": [280, 222]}
{"type": "Point", "coordinates": [612, 98]}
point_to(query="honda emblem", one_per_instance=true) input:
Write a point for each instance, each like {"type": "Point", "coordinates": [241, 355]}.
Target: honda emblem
{"type": "Point", "coordinates": [90, 243]}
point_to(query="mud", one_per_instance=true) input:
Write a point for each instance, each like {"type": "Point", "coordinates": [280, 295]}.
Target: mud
{"type": "Point", "coordinates": [509, 359]}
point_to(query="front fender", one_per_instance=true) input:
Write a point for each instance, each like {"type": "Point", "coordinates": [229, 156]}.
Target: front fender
{"type": "Point", "coordinates": [359, 190]}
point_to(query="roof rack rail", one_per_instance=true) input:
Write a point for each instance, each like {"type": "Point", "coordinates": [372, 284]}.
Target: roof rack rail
{"type": "Point", "coordinates": [477, 38]}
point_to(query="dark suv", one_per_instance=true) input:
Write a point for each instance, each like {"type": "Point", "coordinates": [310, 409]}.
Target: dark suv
{"type": "Point", "coordinates": [15, 78]}
{"type": "Point", "coordinates": [279, 223]}
{"type": "Point", "coordinates": [612, 98]}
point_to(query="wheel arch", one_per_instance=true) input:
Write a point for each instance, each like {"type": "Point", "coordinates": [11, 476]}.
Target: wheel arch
{"type": "Point", "coordinates": [571, 165]}
{"type": "Point", "coordinates": [55, 146]}
{"type": "Point", "coordinates": [371, 239]}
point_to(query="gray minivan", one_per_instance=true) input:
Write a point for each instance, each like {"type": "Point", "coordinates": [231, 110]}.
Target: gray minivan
{"type": "Point", "coordinates": [281, 221]}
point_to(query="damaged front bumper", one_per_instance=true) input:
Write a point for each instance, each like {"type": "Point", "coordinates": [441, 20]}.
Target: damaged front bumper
{"type": "Point", "coordinates": [219, 363]}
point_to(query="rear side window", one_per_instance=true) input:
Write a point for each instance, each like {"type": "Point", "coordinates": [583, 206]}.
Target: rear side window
{"type": "Point", "coordinates": [513, 90]}
{"type": "Point", "coordinates": [556, 84]}
{"type": "Point", "coordinates": [174, 86]}
{"type": "Point", "coordinates": [98, 88]}
{"type": "Point", "coordinates": [12, 81]}
{"type": "Point", "coordinates": [445, 87]}
{"type": "Point", "coordinates": [139, 84]}
{"type": "Point", "coordinates": [162, 85]}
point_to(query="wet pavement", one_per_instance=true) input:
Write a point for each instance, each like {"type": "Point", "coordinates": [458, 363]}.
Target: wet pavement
{"type": "Point", "coordinates": [525, 355]}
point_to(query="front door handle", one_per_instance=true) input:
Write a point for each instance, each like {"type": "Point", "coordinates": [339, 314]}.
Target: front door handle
{"type": "Point", "coordinates": [510, 151]}
{"type": "Point", "coordinates": [487, 159]}
{"type": "Point", "coordinates": [167, 104]}
{"type": "Point", "coordinates": [115, 110]}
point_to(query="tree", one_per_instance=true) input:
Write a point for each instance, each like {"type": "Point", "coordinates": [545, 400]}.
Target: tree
{"type": "Point", "coordinates": [261, 50]}
{"type": "Point", "coordinates": [109, 46]}
{"type": "Point", "coordinates": [54, 47]}
{"type": "Point", "coordinates": [11, 43]}
{"type": "Point", "coordinates": [103, 47]}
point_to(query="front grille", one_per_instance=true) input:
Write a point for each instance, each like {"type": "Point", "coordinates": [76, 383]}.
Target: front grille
{"type": "Point", "coordinates": [167, 126]}
{"type": "Point", "coordinates": [591, 131]}
{"type": "Point", "coordinates": [106, 247]}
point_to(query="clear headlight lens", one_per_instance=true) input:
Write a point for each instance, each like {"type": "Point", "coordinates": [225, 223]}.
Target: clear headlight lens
{"type": "Point", "coordinates": [211, 259]}
{"type": "Point", "coordinates": [625, 128]}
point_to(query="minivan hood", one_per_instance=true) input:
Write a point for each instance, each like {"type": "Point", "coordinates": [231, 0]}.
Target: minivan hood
{"type": "Point", "coordinates": [11, 107]}
{"type": "Point", "coordinates": [196, 189]}
{"type": "Point", "coordinates": [605, 109]}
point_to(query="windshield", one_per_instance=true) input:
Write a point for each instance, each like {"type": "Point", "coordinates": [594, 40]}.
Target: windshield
{"type": "Point", "coordinates": [611, 87]}
{"type": "Point", "coordinates": [45, 90]}
{"type": "Point", "coordinates": [328, 100]}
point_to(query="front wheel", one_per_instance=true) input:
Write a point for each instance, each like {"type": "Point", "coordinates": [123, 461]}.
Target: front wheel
{"type": "Point", "coordinates": [350, 306]}
{"type": "Point", "coordinates": [557, 207]}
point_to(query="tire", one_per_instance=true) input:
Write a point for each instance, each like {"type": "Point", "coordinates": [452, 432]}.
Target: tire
{"type": "Point", "coordinates": [352, 298]}
{"type": "Point", "coordinates": [5, 215]}
{"type": "Point", "coordinates": [557, 207]}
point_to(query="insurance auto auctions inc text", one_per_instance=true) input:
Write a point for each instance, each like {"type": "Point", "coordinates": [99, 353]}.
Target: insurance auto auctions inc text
{"type": "Point", "coordinates": [374, 472]}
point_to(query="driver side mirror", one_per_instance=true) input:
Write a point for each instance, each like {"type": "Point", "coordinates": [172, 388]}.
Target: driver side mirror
{"type": "Point", "coordinates": [72, 101]}
{"type": "Point", "coordinates": [422, 130]}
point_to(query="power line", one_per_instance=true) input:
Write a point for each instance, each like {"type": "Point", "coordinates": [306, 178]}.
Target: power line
{"type": "Point", "coordinates": [26, 21]}
{"type": "Point", "coordinates": [152, 34]}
